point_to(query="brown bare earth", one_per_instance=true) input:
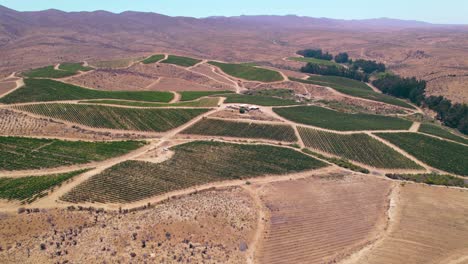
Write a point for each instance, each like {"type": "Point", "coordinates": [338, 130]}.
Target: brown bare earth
{"type": "Point", "coordinates": [322, 219]}
{"type": "Point", "coordinates": [429, 226]}
{"type": "Point", "coordinates": [19, 124]}
{"type": "Point", "coordinates": [161, 77]}
{"type": "Point", "coordinates": [250, 115]}
{"type": "Point", "coordinates": [5, 87]}
{"type": "Point", "coordinates": [208, 227]}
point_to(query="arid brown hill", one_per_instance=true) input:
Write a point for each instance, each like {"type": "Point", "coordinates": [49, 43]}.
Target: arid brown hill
{"type": "Point", "coordinates": [434, 52]}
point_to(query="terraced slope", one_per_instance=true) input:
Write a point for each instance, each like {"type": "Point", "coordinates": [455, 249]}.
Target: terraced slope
{"type": "Point", "coordinates": [215, 127]}
{"type": "Point", "coordinates": [321, 220]}
{"type": "Point", "coordinates": [17, 153]}
{"type": "Point", "coordinates": [353, 88]}
{"type": "Point", "coordinates": [41, 90]}
{"type": "Point", "coordinates": [440, 154]}
{"type": "Point", "coordinates": [193, 164]}
{"type": "Point", "coordinates": [430, 227]}
{"type": "Point", "coordinates": [28, 189]}
{"type": "Point", "coordinates": [98, 116]}
{"type": "Point", "coordinates": [330, 119]}
{"type": "Point", "coordinates": [357, 147]}
{"type": "Point", "coordinates": [248, 72]}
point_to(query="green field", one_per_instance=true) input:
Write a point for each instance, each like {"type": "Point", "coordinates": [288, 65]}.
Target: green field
{"type": "Point", "coordinates": [30, 188]}
{"type": "Point", "coordinates": [193, 164]}
{"type": "Point", "coordinates": [431, 179]}
{"type": "Point", "coordinates": [40, 90]}
{"type": "Point", "coordinates": [357, 147]}
{"type": "Point", "coordinates": [258, 100]}
{"type": "Point", "coordinates": [181, 61]}
{"type": "Point", "coordinates": [353, 88]}
{"type": "Point", "coordinates": [203, 102]}
{"type": "Point", "coordinates": [441, 132]}
{"type": "Point", "coordinates": [47, 72]}
{"type": "Point", "coordinates": [330, 119]}
{"type": "Point", "coordinates": [315, 61]}
{"type": "Point", "coordinates": [17, 153]}
{"type": "Point", "coordinates": [98, 116]}
{"type": "Point", "coordinates": [447, 156]}
{"type": "Point", "coordinates": [153, 59]}
{"type": "Point", "coordinates": [247, 72]}
{"type": "Point", "coordinates": [215, 127]}
{"type": "Point", "coordinates": [193, 95]}
{"type": "Point", "coordinates": [74, 67]}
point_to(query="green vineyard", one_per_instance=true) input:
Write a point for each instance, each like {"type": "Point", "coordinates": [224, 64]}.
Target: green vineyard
{"type": "Point", "coordinates": [442, 132]}
{"type": "Point", "coordinates": [258, 100]}
{"type": "Point", "coordinates": [98, 116]}
{"type": "Point", "coordinates": [334, 120]}
{"type": "Point", "coordinates": [357, 147]}
{"type": "Point", "coordinates": [215, 127]}
{"type": "Point", "coordinates": [17, 153]}
{"type": "Point", "coordinates": [193, 164]}
{"type": "Point", "coordinates": [193, 95]}
{"type": "Point", "coordinates": [181, 61]}
{"type": "Point", "coordinates": [448, 156]}
{"type": "Point", "coordinates": [203, 102]}
{"type": "Point", "coordinates": [42, 90]}
{"type": "Point", "coordinates": [30, 188]}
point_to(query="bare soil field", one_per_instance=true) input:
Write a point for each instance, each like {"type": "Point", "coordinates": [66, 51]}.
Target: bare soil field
{"type": "Point", "coordinates": [5, 87]}
{"type": "Point", "coordinates": [155, 76]}
{"type": "Point", "coordinates": [18, 124]}
{"type": "Point", "coordinates": [209, 227]}
{"type": "Point", "coordinates": [207, 70]}
{"type": "Point", "coordinates": [429, 227]}
{"type": "Point", "coordinates": [322, 219]}
{"type": "Point", "coordinates": [251, 115]}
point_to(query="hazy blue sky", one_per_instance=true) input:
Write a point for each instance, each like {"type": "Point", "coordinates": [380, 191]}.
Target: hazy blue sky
{"type": "Point", "coordinates": [437, 11]}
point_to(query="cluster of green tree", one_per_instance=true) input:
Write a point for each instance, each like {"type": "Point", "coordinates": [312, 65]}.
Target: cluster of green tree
{"type": "Point", "coordinates": [368, 66]}
{"type": "Point", "coordinates": [342, 57]}
{"type": "Point", "coordinates": [315, 53]}
{"type": "Point", "coordinates": [452, 115]}
{"type": "Point", "coordinates": [335, 71]}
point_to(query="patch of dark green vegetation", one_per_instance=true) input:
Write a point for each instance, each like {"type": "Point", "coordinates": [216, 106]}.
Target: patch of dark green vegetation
{"type": "Point", "coordinates": [315, 61]}
{"type": "Point", "coordinates": [18, 153]}
{"type": "Point", "coordinates": [431, 179]}
{"type": "Point", "coordinates": [444, 155]}
{"type": "Point", "coordinates": [41, 90]}
{"type": "Point", "coordinates": [258, 100]}
{"type": "Point", "coordinates": [153, 59]}
{"type": "Point", "coordinates": [215, 127]}
{"type": "Point", "coordinates": [353, 88]}
{"type": "Point", "coordinates": [99, 116]}
{"type": "Point", "coordinates": [441, 132]}
{"type": "Point", "coordinates": [340, 162]}
{"type": "Point", "coordinates": [193, 164]}
{"type": "Point", "coordinates": [247, 72]}
{"type": "Point", "coordinates": [330, 119]}
{"type": "Point", "coordinates": [193, 95]}
{"type": "Point", "coordinates": [74, 67]}
{"type": "Point", "coordinates": [181, 61]}
{"type": "Point", "coordinates": [28, 189]}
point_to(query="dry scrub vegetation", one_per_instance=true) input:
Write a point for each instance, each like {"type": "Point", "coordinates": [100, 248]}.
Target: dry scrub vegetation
{"type": "Point", "coordinates": [209, 227]}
